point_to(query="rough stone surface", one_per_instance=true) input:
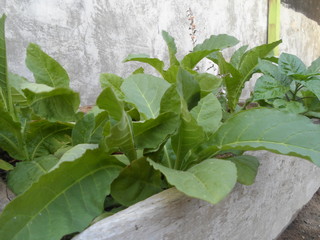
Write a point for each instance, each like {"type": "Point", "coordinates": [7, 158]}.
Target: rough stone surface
{"type": "Point", "coordinates": [5, 195]}
{"type": "Point", "coordinates": [261, 211]}
{"type": "Point", "coordinates": [91, 37]}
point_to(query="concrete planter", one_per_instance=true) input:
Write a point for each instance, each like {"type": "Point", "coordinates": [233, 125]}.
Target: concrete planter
{"type": "Point", "coordinates": [261, 211]}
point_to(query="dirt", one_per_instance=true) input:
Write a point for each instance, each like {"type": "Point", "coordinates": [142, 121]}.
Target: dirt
{"type": "Point", "coordinates": [306, 226]}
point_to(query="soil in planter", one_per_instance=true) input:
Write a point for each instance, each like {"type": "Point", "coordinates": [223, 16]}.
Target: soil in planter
{"type": "Point", "coordinates": [306, 226]}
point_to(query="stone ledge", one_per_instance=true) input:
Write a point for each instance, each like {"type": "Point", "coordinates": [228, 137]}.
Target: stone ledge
{"type": "Point", "coordinates": [261, 211]}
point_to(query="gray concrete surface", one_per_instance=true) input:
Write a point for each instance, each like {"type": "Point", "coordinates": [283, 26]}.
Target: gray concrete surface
{"type": "Point", "coordinates": [258, 212]}
{"type": "Point", "coordinates": [89, 37]}
{"type": "Point", "coordinates": [5, 195]}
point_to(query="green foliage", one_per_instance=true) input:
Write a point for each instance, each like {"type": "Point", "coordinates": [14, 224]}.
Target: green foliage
{"type": "Point", "coordinates": [146, 133]}
{"type": "Point", "coordinates": [289, 85]}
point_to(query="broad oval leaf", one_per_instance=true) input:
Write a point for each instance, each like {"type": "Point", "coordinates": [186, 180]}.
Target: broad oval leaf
{"type": "Point", "coordinates": [270, 129]}
{"type": "Point", "coordinates": [62, 201]}
{"type": "Point", "coordinates": [290, 64]}
{"type": "Point", "coordinates": [53, 104]}
{"type": "Point", "coordinates": [211, 180]}
{"type": "Point", "coordinates": [153, 132]}
{"type": "Point", "coordinates": [247, 168]}
{"type": "Point", "coordinates": [113, 81]}
{"type": "Point", "coordinates": [45, 69]}
{"type": "Point", "coordinates": [267, 87]}
{"type": "Point", "coordinates": [82, 131]}
{"type": "Point", "coordinates": [45, 138]}
{"type": "Point", "coordinates": [188, 88]}
{"type": "Point", "coordinates": [237, 56]}
{"type": "Point", "coordinates": [208, 113]}
{"type": "Point", "coordinates": [193, 58]}
{"type": "Point", "coordinates": [208, 83]}
{"type": "Point", "coordinates": [136, 182]}
{"type": "Point", "coordinates": [217, 42]}
{"type": "Point", "coordinates": [118, 131]}
{"type": "Point", "coordinates": [145, 92]}
{"type": "Point", "coordinates": [189, 135]}
{"type": "Point", "coordinates": [11, 138]}
{"type": "Point", "coordinates": [28, 172]}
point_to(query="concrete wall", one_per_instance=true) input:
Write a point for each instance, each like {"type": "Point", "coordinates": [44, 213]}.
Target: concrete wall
{"type": "Point", "coordinates": [300, 34]}
{"type": "Point", "coordinates": [257, 212]}
{"type": "Point", "coordinates": [89, 37]}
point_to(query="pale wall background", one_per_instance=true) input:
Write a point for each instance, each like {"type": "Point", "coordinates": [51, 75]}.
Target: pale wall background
{"type": "Point", "coordinates": [89, 37]}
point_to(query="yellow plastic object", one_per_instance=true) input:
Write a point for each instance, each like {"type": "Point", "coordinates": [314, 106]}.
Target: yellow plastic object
{"type": "Point", "coordinates": [274, 23]}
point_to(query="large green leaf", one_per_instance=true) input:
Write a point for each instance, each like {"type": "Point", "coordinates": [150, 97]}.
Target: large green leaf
{"type": "Point", "coordinates": [11, 138]}
{"type": "Point", "coordinates": [26, 173]}
{"type": "Point", "coordinates": [232, 78]}
{"type": "Point", "coordinates": [237, 56]}
{"type": "Point", "coordinates": [193, 58]}
{"type": "Point", "coordinates": [267, 87]}
{"type": "Point", "coordinates": [217, 42]}
{"type": "Point", "coordinates": [45, 69]}
{"type": "Point", "coordinates": [136, 182]}
{"type": "Point", "coordinates": [208, 83]}
{"type": "Point", "coordinates": [272, 130]}
{"type": "Point", "coordinates": [83, 129]}
{"type": "Point", "coordinates": [16, 83]}
{"type": "Point", "coordinates": [154, 62]}
{"type": "Point", "coordinates": [63, 201]}
{"type": "Point", "coordinates": [100, 121]}
{"type": "Point", "coordinates": [5, 89]}
{"type": "Point", "coordinates": [313, 85]}
{"type": "Point", "coordinates": [210, 180]}
{"type": "Point", "coordinates": [153, 132]}
{"type": "Point", "coordinates": [53, 104]}
{"type": "Point", "coordinates": [236, 78]}
{"type": "Point", "coordinates": [188, 88]}
{"type": "Point", "coordinates": [314, 67]}
{"type": "Point", "coordinates": [188, 136]}
{"type": "Point", "coordinates": [171, 48]}
{"type": "Point", "coordinates": [113, 81]}
{"type": "Point", "coordinates": [290, 64]}
{"type": "Point", "coordinates": [118, 131]}
{"type": "Point", "coordinates": [208, 113]}
{"type": "Point", "coordinates": [45, 138]}
{"type": "Point", "coordinates": [247, 168]}
{"type": "Point", "coordinates": [145, 92]}
{"type": "Point", "coordinates": [170, 101]}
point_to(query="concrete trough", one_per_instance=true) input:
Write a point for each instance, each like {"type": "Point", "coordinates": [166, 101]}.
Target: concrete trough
{"type": "Point", "coordinates": [260, 211]}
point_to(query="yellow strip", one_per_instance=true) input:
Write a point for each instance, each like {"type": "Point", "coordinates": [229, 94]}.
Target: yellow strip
{"type": "Point", "coordinates": [274, 23]}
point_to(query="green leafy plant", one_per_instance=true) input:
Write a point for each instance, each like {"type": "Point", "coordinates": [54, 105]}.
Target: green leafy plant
{"type": "Point", "coordinates": [289, 85]}
{"type": "Point", "coordinates": [146, 134]}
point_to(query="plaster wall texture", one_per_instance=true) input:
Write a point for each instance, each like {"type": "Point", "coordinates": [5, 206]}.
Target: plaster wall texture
{"type": "Point", "coordinates": [89, 37]}
{"type": "Point", "coordinates": [299, 35]}
{"type": "Point", "coordinates": [260, 211]}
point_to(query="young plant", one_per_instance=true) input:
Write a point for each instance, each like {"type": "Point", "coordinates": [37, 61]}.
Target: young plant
{"type": "Point", "coordinates": [149, 133]}
{"type": "Point", "coordinates": [289, 85]}
{"type": "Point", "coordinates": [34, 116]}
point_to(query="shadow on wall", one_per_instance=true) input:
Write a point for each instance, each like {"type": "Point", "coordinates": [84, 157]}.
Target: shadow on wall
{"type": "Point", "coordinates": [310, 8]}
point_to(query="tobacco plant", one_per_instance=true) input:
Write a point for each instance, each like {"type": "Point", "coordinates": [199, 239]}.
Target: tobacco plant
{"type": "Point", "coordinates": [146, 134]}
{"type": "Point", "coordinates": [289, 85]}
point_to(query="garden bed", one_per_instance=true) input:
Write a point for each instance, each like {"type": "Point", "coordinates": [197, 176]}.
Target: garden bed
{"type": "Point", "coordinates": [261, 211]}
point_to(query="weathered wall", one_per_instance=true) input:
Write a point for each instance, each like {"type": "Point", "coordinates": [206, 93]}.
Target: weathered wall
{"type": "Point", "coordinates": [257, 212]}
{"type": "Point", "coordinates": [89, 37]}
{"type": "Point", "coordinates": [299, 33]}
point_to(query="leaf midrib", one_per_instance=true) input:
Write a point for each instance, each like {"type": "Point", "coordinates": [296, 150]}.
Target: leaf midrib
{"type": "Point", "coordinates": [63, 192]}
